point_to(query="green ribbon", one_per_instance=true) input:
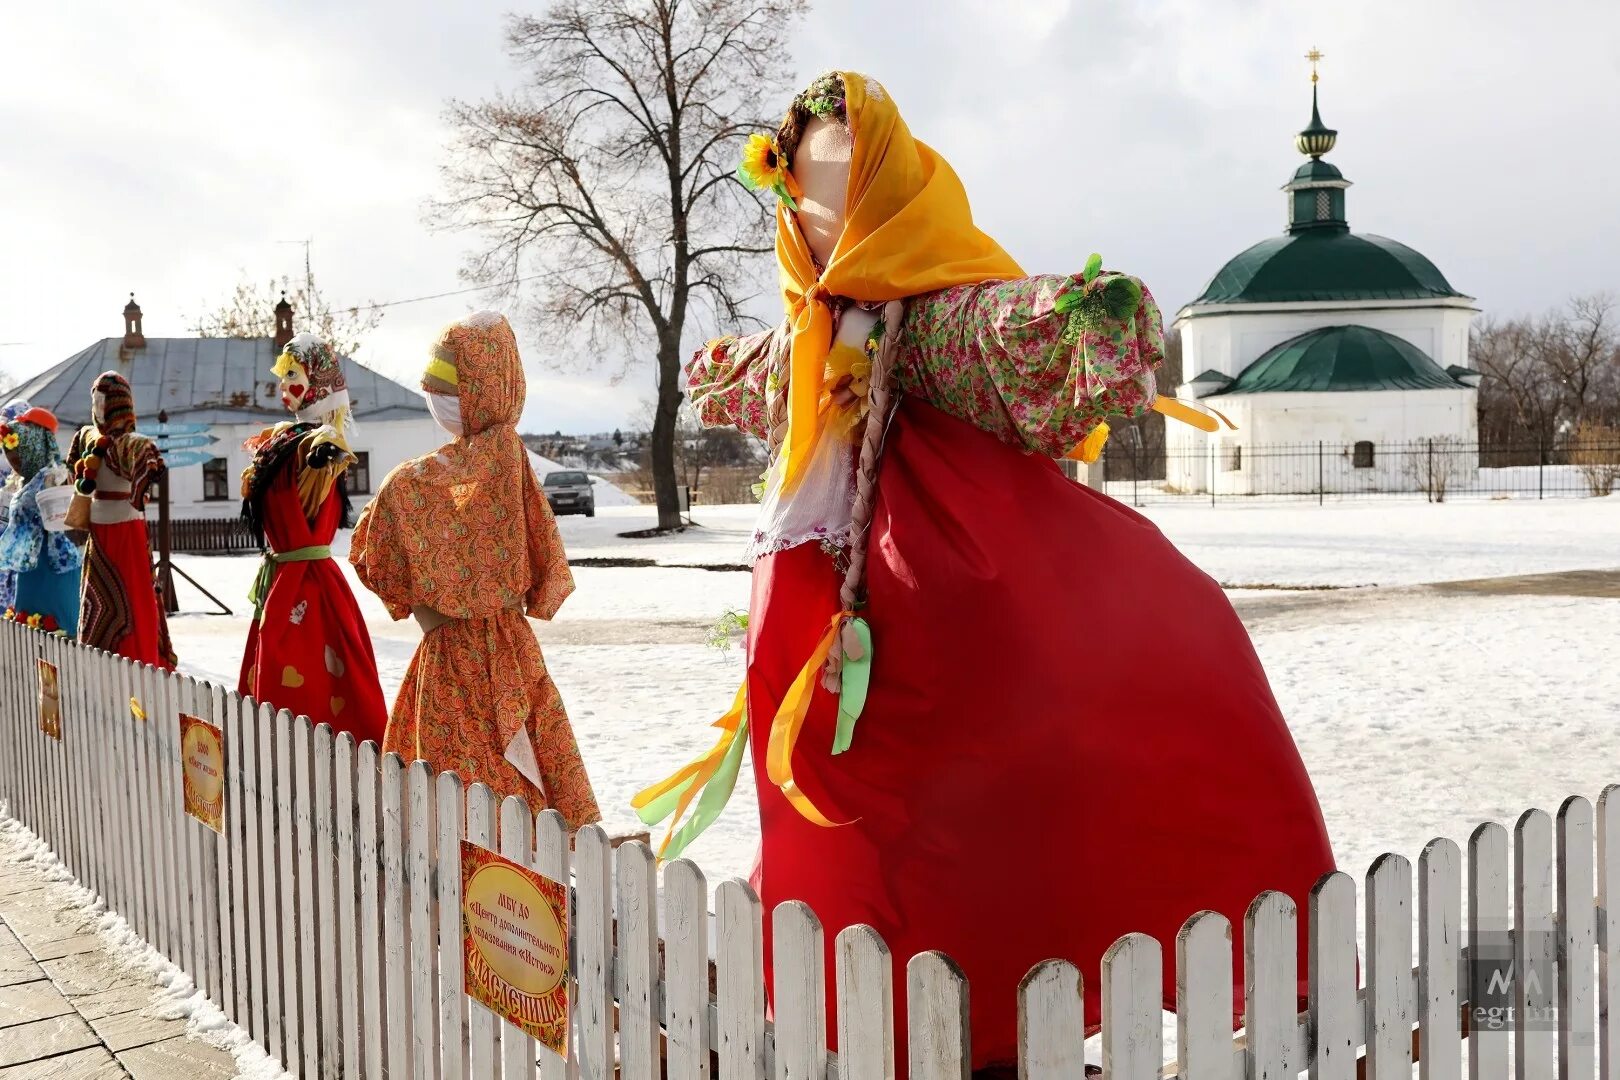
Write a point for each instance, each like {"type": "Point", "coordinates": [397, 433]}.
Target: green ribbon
{"type": "Point", "coordinates": [710, 802]}
{"type": "Point", "coordinates": [857, 679]}
{"type": "Point", "coordinates": [267, 570]}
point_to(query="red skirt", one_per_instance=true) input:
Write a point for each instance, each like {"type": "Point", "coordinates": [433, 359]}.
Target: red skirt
{"type": "Point", "coordinates": [1068, 736]}
{"type": "Point", "coordinates": [118, 604]}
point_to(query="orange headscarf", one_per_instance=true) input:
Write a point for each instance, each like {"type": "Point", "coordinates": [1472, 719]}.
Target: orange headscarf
{"type": "Point", "coordinates": [908, 230]}
{"type": "Point", "coordinates": [466, 530]}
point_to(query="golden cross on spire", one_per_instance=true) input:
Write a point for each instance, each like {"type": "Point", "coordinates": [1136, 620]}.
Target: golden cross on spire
{"type": "Point", "coordinates": [1315, 57]}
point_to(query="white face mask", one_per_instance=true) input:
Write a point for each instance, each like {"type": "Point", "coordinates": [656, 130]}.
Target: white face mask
{"type": "Point", "coordinates": [446, 412]}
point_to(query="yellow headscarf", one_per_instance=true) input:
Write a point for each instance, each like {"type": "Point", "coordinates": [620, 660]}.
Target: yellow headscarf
{"type": "Point", "coordinates": [908, 230]}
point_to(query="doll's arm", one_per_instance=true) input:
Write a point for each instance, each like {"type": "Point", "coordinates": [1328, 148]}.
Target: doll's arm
{"type": "Point", "coordinates": [1038, 362]}
{"type": "Point", "coordinates": [728, 380]}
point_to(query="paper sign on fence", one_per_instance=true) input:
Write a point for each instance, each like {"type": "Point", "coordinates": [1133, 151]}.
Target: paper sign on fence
{"type": "Point", "coordinates": [515, 944]}
{"type": "Point", "coordinates": [50, 700]}
{"type": "Point", "coordinates": [202, 764]}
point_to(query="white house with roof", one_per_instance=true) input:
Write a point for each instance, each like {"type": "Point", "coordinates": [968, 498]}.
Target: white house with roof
{"type": "Point", "coordinates": [1327, 344]}
{"type": "Point", "coordinates": [226, 384]}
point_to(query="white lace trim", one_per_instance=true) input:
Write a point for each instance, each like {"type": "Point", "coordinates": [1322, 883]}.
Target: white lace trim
{"type": "Point", "coordinates": [830, 540]}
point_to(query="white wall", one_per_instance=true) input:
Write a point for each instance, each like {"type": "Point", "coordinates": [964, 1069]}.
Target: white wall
{"type": "Point", "coordinates": [1229, 341]}
{"type": "Point", "coordinates": [1279, 436]}
{"type": "Point", "coordinates": [388, 442]}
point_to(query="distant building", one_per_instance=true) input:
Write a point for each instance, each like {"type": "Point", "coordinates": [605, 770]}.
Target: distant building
{"type": "Point", "coordinates": [1323, 336]}
{"type": "Point", "coordinates": [226, 383]}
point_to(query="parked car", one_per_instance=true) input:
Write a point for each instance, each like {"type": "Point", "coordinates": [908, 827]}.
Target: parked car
{"type": "Point", "coordinates": [570, 493]}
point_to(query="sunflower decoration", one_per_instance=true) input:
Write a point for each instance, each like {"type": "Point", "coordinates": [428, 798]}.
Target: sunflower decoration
{"type": "Point", "coordinates": [764, 167]}
{"type": "Point", "coordinates": [846, 388]}
{"type": "Point", "coordinates": [34, 620]}
{"type": "Point", "coordinates": [9, 439]}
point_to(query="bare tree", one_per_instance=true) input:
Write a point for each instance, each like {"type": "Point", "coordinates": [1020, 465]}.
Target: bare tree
{"type": "Point", "coordinates": [1583, 354]}
{"type": "Point", "coordinates": [251, 312]}
{"type": "Point", "coordinates": [608, 179]}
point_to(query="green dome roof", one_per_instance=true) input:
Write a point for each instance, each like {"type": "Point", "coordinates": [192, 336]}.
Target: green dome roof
{"type": "Point", "coordinates": [1342, 358]}
{"type": "Point", "coordinates": [1326, 264]}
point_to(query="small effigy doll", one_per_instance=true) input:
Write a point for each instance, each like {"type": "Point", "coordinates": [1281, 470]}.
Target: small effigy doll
{"type": "Point", "coordinates": [115, 466]}
{"type": "Point", "coordinates": [308, 649]}
{"type": "Point", "coordinates": [963, 723]}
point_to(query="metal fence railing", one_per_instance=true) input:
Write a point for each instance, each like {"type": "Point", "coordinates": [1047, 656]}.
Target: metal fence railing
{"type": "Point", "coordinates": [1437, 470]}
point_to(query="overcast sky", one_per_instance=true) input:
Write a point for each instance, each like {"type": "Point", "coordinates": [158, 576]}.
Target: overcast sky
{"type": "Point", "coordinates": [165, 147]}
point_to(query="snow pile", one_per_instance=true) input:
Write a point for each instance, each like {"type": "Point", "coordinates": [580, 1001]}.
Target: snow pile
{"type": "Point", "coordinates": [176, 996]}
{"type": "Point", "coordinates": [606, 494]}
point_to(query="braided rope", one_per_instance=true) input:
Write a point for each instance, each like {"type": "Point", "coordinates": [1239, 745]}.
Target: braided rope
{"type": "Point", "coordinates": [880, 407]}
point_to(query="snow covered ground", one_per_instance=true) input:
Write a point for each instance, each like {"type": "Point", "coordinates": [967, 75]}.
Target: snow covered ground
{"type": "Point", "coordinates": [1418, 714]}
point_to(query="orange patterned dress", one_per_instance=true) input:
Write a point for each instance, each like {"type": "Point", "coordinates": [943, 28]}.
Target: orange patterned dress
{"type": "Point", "coordinates": [467, 532]}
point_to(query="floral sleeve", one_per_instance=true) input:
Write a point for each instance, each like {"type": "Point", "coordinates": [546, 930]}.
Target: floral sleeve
{"type": "Point", "coordinates": [1038, 362]}
{"type": "Point", "coordinates": [729, 380]}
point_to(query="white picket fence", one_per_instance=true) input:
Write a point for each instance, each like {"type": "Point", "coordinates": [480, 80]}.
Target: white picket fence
{"type": "Point", "coordinates": [326, 921]}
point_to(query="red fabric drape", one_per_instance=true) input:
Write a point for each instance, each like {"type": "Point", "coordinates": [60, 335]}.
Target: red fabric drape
{"type": "Point", "coordinates": [1069, 736]}
{"type": "Point", "coordinates": [311, 653]}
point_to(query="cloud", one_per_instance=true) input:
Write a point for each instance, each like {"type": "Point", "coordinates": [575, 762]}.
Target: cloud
{"type": "Point", "coordinates": [169, 146]}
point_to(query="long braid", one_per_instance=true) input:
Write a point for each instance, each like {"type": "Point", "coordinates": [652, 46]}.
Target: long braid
{"type": "Point", "coordinates": [881, 401]}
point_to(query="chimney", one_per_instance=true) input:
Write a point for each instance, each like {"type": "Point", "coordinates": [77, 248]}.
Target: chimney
{"type": "Point", "coordinates": [284, 330]}
{"type": "Point", "coordinates": [133, 338]}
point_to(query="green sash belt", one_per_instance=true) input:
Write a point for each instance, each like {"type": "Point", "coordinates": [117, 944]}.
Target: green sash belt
{"type": "Point", "coordinates": [267, 571]}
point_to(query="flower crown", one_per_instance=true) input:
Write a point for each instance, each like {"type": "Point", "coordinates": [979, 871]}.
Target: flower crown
{"type": "Point", "coordinates": [765, 161]}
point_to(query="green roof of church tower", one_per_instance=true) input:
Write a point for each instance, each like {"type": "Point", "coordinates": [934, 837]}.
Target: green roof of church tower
{"type": "Point", "coordinates": [1319, 259]}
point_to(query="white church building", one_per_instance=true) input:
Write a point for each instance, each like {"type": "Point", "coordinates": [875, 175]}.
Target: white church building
{"type": "Point", "coordinates": [226, 384]}
{"type": "Point", "coordinates": [1335, 354]}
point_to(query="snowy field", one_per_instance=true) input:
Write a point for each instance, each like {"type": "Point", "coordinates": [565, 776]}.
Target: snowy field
{"type": "Point", "coordinates": [1419, 713]}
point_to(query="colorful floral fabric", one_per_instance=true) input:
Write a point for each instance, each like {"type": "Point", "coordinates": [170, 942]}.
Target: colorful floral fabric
{"type": "Point", "coordinates": [1001, 356]}
{"type": "Point", "coordinates": [466, 531]}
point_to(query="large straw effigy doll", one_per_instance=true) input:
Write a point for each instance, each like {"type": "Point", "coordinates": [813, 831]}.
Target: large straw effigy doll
{"type": "Point", "coordinates": [991, 712]}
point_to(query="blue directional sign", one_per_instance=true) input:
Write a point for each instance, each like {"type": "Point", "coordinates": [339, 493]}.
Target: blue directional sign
{"type": "Point", "coordinates": [181, 442]}
{"type": "Point", "coordinates": [172, 429]}
{"type": "Point", "coordinates": [179, 459]}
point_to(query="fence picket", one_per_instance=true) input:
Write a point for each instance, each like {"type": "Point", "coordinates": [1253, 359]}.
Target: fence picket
{"type": "Point", "coordinates": [518, 1052]}
{"type": "Point", "coordinates": [286, 885]}
{"type": "Point", "coordinates": [483, 1048]}
{"type": "Point", "coordinates": [865, 981]}
{"type": "Point", "coordinates": [422, 929]}
{"type": "Point", "coordinates": [1051, 1010]}
{"type": "Point", "coordinates": [350, 986]}
{"type": "Point", "coordinates": [1390, 1009]}
{"type": "Point", "coordinates": [800, 979]}
{"type": "Point", "coordinates": [209, 894]}
{"type": "Point", "coordinates": [269, 907]}
{"type": "Point", "coordinates": [636, 969]}
{"type": "Point", "coordinates": [395, 883]}
{"type": "Point", "coordinates": [551, 859]}
{"type": "Point", "coordinates": [1577, 942]}
{"type": "Point", "coordinates": [306, 962]}
{"type": "Point", "coordinates": [1439, 961]}
{"type": "Point", "coordinates": [593, 952]}
{"type": "Point", "coordinates": [326, 917]}
{"type": "Point", "coordinates": [1535, 981]}
{"type": "Point", "coordinates": [1204, 998]}
{"type": "Point", "coordinates": [374, 1018]}
{"type": "Point", "coordinates": [245, 875]}
{"type": "Point", "coordinates": [1132, 1032]}
{"type": "Point", "coordinates": [937, 1019]}
{"type": "Point", "coordinates": [159, 747]}
{"type": "Point", "coordinates": [1334, 1009]}
{"type": "Point", "coordinates": [452, 995]}
{"type": "Point", "coordinates": [235, 963]}
{"type": "Point", "coordinates": [686, 978]}
{"type": "Point", "coordinates": [1489, 924]}
{"type": "Point", "coordinates": [1271, 986]}
{"type": "Point", "coordinates": [1608, 932]}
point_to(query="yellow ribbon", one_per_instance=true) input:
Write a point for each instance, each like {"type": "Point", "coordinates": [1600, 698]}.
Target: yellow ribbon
{"type": "Point", "coordinates": [1090, 448]}
{"type": "Point", "coordinates": [1197, 416]}
{"type": "Point", "coordinates": [696, 774]}
{"type": "Point", "coordinates": [789, 721]}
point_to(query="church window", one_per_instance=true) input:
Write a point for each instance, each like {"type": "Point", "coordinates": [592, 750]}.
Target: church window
{"type": "Point", "coordinates": [1324, 204]}
{"type": "Point", "coordinates": [1233, 457]}
{"type": "Point", "coordinates": [1363, 456]}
